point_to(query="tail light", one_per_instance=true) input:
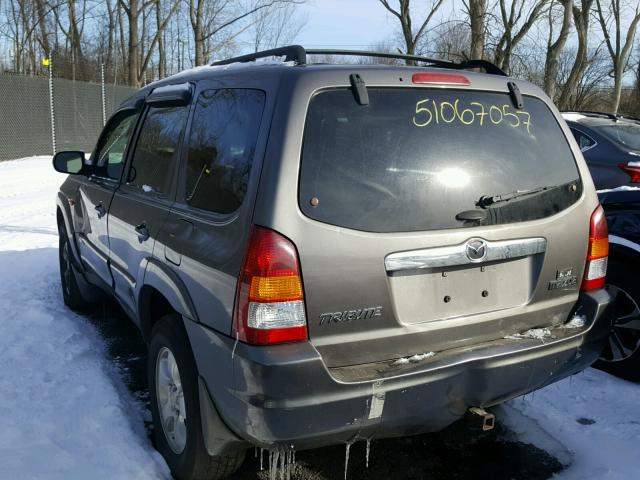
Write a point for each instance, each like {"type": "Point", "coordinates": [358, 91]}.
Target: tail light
{"type": "Point", "coordinates": [632, 169]}
{"type": "Point", "coordinates": [269, 306]}
{"type": "Point", "coordinates": [598, 252]}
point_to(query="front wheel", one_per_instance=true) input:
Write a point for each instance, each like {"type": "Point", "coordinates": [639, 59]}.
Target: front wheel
{"type": "Point", "coordinates": [175, 406]}
{"type": "Point", "coordinates": [70, 290]}
{"type": "Point", "coordinates": [621, 355]}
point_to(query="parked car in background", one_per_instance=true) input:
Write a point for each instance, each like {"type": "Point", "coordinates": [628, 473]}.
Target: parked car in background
{"type": "Point", "coordinates": [318, 254]}
{"type": "Point", "coordinates": [621, 356]}
{"type": "Point", "coordinates": [610, 145]}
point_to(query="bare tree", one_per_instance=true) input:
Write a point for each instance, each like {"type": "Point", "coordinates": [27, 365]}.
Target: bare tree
{"type": "Point", "coordinates": [162, 61]}
{"type": "Point", "coordinates": [139, 55]}
{"type": "Point", "coordinates": [581, 17]}
{"type": "Point", "coordinates": [41, 14]}
{"type": "Point", "coordinates": [403, 14]}
{"type": "Point", "coordinates": [477, 12]}
{"type": "Point", "coordinates": [276, 26]}
{"type": "Point", "coordinates": [555, 47]}
{"type": "Point", "coordinates": [587, 93]}
{"type": "Point", "coordinates": [451, 41]}
{"type": "Point", "coordinates": [618, 44]}
{"type": "Point", "coordinates": [210, 17]}
{"type": "Point", "coordinates": [515, 24]}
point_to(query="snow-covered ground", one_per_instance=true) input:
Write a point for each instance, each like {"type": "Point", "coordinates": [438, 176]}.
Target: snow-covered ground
{"type": "Point", "coordinates": [67, 414]}
{"type": "Point", "coordinates": [65, 411]}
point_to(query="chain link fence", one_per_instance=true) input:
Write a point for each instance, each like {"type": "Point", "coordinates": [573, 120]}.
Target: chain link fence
{"type": "Point", "coordinates": [42, 114]}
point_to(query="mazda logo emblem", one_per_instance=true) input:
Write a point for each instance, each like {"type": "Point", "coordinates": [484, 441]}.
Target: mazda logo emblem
{"type": "Point", "coordinates": [476, 250]}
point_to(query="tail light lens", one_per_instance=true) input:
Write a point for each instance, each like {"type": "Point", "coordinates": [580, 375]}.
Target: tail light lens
{"type": "Point", "coordinates": [269, 306]}
{"type": "Point", "coordinates": [598, 252]}
{"type": "Point", "coordinates": [631, 169]}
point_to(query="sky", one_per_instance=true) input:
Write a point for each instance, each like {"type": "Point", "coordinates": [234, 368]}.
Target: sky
{"type": "Point", "coordinates": [359, 24]}
{"type": "Point", "coordinates": [345, 23]}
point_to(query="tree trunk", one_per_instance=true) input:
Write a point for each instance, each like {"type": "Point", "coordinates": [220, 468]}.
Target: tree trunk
{"type": "Point", "coordinates": [581, 21]}
{"type": "Point", "coordinates": [42, 24]}
{"type": "Point", "coordinates": [196, 8]}
{"type": "Point", "coordinates": [477, 18]}
{"type": "Point", "coordinates": [74, 32]}
{"type": "Point", "coordinates": [555, 48]}
{"type": "Point", "coordinates": [161, 53]}
{"type": "Point", "coordinates": [133, 52]}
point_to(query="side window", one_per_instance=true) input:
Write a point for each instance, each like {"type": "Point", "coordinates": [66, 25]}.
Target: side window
{"type": "Point", "coordinates": [584, 142]}
{"type": "Point", "coordinates": [157, 149]}
{"type": "Point", "coordinates": [109, 155]}
{"type": "Point", "coordinates": [222, 146]}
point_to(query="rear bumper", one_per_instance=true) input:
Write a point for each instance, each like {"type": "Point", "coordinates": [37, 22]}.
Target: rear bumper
{"type": "Point", "coordinates": [285, 395]}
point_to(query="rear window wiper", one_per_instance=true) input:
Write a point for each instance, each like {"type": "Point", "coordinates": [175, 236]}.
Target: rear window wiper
{"type": "Point", "coordinates": [488, 200]}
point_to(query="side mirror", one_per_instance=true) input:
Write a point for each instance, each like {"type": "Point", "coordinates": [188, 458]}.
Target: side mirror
{"type": "Point", "coordinates": [69, 162]}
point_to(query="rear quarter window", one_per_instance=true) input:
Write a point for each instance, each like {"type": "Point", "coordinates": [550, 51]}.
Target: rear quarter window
{"type": "Point", "coordinates": [222, 146]}
{"type": "Point", "coordinates": [413, 159]}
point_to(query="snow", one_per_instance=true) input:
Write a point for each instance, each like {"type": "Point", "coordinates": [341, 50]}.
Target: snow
{"type": "Point", "coordinates": [573, 117]}
{"type": "Point", "coordinates": [534, 333]}
{"type": "Point", "coordinates": [623, 188]}
{"type": "Point", "coordinates": [66, 413]}
{"type": "Point", "coordinates": [590, 421]}
{"type": "Point", "coordinates": [417, 358]}
{"type": "Point", "coordinates": [578, 321]}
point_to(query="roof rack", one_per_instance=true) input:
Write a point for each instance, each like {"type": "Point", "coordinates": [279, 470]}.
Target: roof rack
{"type": "Point", "coordinates": [294, 53]}
{"type": "Point", "coordinates": [298, 54]}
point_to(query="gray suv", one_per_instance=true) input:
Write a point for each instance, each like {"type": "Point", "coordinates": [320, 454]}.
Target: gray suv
{"type": "Point", "coordinates": [321, 254]}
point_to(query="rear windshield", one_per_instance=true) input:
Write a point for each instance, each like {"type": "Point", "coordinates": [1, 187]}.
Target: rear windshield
{"type": "Point", "coordinates": [626, 135]}
{"type": "Point", "coordinates": [413, 159]}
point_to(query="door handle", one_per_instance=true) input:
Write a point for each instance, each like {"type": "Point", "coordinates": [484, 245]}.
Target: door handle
{"type": "Point", "coordinates": [142, 231]}
{"type": "Point", "coordinates": [101, 210]}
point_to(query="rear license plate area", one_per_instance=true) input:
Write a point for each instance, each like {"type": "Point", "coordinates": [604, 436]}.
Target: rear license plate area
{"type": "Point", "coordinates": [441, 293]}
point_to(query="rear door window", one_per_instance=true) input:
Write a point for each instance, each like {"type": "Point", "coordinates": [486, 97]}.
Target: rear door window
{"type": "Point", "coordinates": [157, 149]}
{"type": "Point", "coordinates": [413, 159]}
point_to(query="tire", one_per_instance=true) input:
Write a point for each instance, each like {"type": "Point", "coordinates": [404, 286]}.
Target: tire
{"type": "Point", "coordinates": [621, 355]}
{"type": "Point", "coordinates": [185, 452]}
{"type": "Point", "coordinates": [70, 290]}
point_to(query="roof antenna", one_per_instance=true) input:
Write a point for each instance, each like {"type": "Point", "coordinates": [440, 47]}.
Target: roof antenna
{"type": "Point", "coordinates": [359, 89]}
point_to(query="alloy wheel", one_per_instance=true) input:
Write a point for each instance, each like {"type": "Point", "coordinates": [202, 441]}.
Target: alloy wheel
{"type": "Point", "coordinates": [624, 337]}
{"type": "Point", "coordinates": [170, 396]}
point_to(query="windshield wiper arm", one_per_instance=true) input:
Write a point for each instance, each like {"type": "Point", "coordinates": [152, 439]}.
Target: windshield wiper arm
{"type": "Point", "coordinates": [488, 200]}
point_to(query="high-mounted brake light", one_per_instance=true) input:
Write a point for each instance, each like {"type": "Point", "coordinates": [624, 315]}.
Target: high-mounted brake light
{"type": "Point", "coordinates": [631, 169]}
{"type": "Point", "coordinates": [269, 305]}
{"type": "Point", "coordinates": [435, 78]}
{"type": "Point", "coordinates": [598, 252]}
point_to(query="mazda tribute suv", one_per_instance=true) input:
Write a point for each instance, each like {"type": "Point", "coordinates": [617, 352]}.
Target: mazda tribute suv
{"type": "Point", "coordinates": [320, 254]}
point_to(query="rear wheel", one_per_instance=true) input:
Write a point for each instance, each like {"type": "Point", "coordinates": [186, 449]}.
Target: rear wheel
{"type": "Point", "coordinates": [70, 291]}
{"type": "Point", "coordinates": [175, 406]}
{"type": "Point", "coordinates": [621, 355]}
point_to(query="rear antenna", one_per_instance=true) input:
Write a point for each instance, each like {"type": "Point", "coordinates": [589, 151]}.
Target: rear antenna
{"type": "Point", "coordinates": [359, 89]}
{"type": "Point", "coordinates": [516, 96]}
